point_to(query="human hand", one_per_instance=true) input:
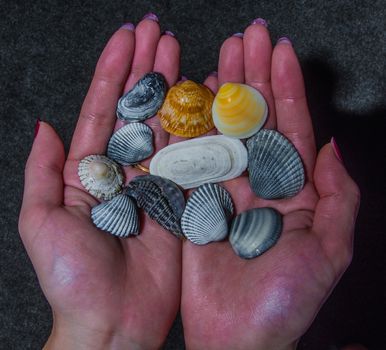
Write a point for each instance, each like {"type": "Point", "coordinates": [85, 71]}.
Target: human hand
{"type": "Point", "coordinates": [269, 302]}
{"type": "Point", "coordinates": [105, 292]}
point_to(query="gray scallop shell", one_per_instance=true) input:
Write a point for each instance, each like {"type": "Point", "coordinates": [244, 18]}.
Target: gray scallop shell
{"type": "Point", "coordinates": [255, 231]}
{"type": "Point", "coordinates": [207, 213]}
{"type": "Point", "coordinates": [131, 144]}
{"type": "Point", "coordinates": [160, 198]}
{"type": "Point", "coordinates": [100, 176]}
{"type": "Point", "coordinates": [274, 165]}
{"type": "Point", "coordinates": [144, 99]}
{"type": "Point", "coordinates": [118, 216]}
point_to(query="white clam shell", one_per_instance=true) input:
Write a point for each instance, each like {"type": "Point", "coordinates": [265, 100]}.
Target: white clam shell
{"type": "Point", "coordinates": [100, 176]}
{"type": "Point", "coordinates": [118, 216]}
{"type": "Point", "coordinates": [275, 167]}
{"type": "Point", "coordinates": [131, 144]}
{"type": "Point", "coordinates": [201, 160]}
{"type": "Point", "coordinates": [207, 213]}
{"type": "Point", "coordinates": [255, 231]}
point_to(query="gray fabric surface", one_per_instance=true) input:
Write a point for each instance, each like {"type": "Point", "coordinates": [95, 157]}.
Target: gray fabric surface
{"type": "Point", "coordinates": [48, 51]}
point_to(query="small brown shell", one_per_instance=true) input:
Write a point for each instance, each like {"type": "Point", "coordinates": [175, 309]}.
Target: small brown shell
{"type": "Point", "coordinates": [187, 110]}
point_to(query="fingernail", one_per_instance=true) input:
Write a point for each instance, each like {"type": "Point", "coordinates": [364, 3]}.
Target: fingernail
{"type": "Point", "coordinates": [183, 78]}
{"type": "Point", "coordinates": [168, 32]}
{"type": "Point", "coordinates": [151, 16]}
{"type": "Point", "coordinates": [128, 26]}
{"type": "Point", "coordinates": [336, 149]}
{"type": "Point", "coordinates": [284, 40]}
{"type": "Point", "coordinates": [213, 74]}
{"type": "Point", "coordinates": [261, 21]}
{"type": "Point", "coordinates": [238, 35]}
{"type": "Point", "coordinates": [37, 126]}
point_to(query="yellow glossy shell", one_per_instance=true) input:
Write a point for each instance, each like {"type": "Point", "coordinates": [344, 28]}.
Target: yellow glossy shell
{"type": "Point", "coordinates": [239, 110]}
{"type": "Point", "coordinates": [187, 110]}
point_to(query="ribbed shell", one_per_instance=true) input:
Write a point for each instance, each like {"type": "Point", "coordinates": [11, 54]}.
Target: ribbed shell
{"type": "Point", "coordinates": [207, 213]}
{"type": "Point", "coordinates": [144, 99]}
{"type": "Point", "coordinates": [202, 160]}
{"type": "Point", "coordinates": [255, 231]}
{"type": "Point", "coordinates": [187, 110]}
{"type": "Point", "coordinates": [239, 110]}
{"type": "Point", "coordinates": [274, 165]}
{"type": "Point", "coordinates": [131, 144]}
{"type": "Point", "coordinates": [100, 176]}
{"type": "Point", "coordinates": [160, 198]}
{"type": "Point", "coordinates": [118, 216]}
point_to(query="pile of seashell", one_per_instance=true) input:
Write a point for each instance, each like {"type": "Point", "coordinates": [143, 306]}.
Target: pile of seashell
{"type": "Point", "coordinates": [189, 109]}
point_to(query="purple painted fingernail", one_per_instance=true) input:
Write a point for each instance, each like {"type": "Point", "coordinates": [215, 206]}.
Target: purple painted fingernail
{"type": "Point", "coordinates": [213, 74]}
{"type": "Point", "coordinates": [261, 21]}
{"type": "Point", "coordinates": [168, 32]}
{"type": "Point", "coordinates": [238, 35]}
{"type": "Point", "coordinates": [129, 26]}
{"type": "Point", "coordinates": [284, 40]}
{"type": "Point", "coordinates": [336, 149]}
{"type": "Point", "coordinates": [151, 16]}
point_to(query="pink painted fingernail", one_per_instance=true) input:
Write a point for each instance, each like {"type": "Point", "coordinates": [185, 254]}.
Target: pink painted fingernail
{"type": "Point", "coordinates": [168, 32]}
{"type": "Point", "coordinates": [37, 126]}
{"type": "Point", "coordinates": [284, 40]}
{"type": "Point", "coordinates": [129, 26]}
{"type": "Point", "coordinates": [261, 21]}
{"type": "Point", "coordinates": [151, 16]}
{"type": "Point", "coordinates": [336, 149]}
{"type": "Point", "coordinates": [213, 74]}
{"type": "Point", "coordinates": [238, 35]}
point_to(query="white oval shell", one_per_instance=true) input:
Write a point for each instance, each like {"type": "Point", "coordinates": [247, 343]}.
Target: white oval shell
{"type": "Point", "coordinates": [255, 231]}
{"type": "Point", "coordinates": [100, 176]}
{"type": "Point", "coordinates": [118, 216]}
{"type": "Point", "coordinates": [206, 215]}
{"type": "Point", "coordinates": [275, 167]}
{"type": "Point", "coordinates": [201, 160]}
{"type": "Point", "coordinates": [131, 144]}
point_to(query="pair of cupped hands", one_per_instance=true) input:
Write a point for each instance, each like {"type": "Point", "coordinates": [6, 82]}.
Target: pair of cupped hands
{"type": "Point", "coordinates": [110, 293]}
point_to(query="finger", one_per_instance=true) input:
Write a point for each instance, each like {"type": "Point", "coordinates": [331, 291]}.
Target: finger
{"type": "Point", "coordinates": [337, 208]}
{"type": "Point", "coordinates": [292, 115]}
{"type": "Point", "coordinates": [257, 64]}
{"type": "Point", "coordinates": [43, 186]}
{"type": "Point", "coordinates": [231, 61]}
{"type": "Point", "coordinates": [147, 35]}
{"type": "Point", "coordinates": [97, 117]}
{"type": "Point", "coordinates": [167, 62]}
{"type": "Point", "coordinates": [212, 83]}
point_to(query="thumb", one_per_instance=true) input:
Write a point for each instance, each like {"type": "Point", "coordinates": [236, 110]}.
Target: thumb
{"type": "Point", "coordinates": [43, 185]}
{"type": "Point", "coordinates": [336, 211]}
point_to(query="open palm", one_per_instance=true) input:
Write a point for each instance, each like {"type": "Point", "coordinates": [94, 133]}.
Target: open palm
{"type": "Point", "coordinates": [268, 302]}
{"type": "Point", "coordinates": [104, 291]}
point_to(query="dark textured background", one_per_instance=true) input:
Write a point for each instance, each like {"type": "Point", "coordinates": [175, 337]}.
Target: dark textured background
{"type": "Point", "coordinates": [48, 51]}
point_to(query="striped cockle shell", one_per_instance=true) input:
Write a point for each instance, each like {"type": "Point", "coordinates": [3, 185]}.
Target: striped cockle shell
{"type": "Point", "coordinates": [160, 198]}
{"type": "Point", "coordinates": [201, 160]}
{"type": "Point", "coordinates": [187, 110]}
{"type": "Point", "coordinates": [274, 165]}
{"type": "Point", "coordinates": [118, 216]}
{"type": "Point", "coordinates": [144, 99]}
{"type": "Point", "coordinates": [131, 144]}
{"type": "Point", "coordinates": [207, 213]}
{"type": "Point", "coordinates": [239, 110]}
{"type": "Point", "coordinates": [100, 176]}
{"type": "Point", "coordinates": [255, 231]}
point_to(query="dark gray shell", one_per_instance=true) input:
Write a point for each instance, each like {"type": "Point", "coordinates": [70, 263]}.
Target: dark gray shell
{"type": "Point", "coordinates": [144, 99]}
{"type": "Point", "coordinates": [131, 144]}
{"type": "Point", "coordinates": [160, 198]}
{"type": "Point", "coordinates": [118, 216]}
{"type": "Point", "coordinates": [207, 213]}
{"type": "Point", "coordinates": [100, 176]}
{"type": "Point", "coordinates": [274, 165]}
{"type": "Point", "coordinates": [255, 231]}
